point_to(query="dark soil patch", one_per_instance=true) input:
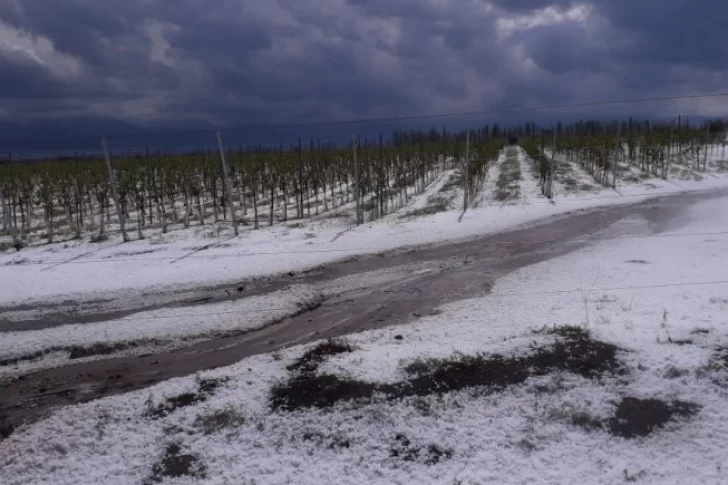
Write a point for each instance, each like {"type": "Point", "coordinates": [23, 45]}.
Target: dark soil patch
{"type": "Point", "coordinates": [429, 455]}
{"type": "Point", "coordinates": [310, 390]}
{"type": "Point", "coordinates": [577, 354]}
{"type": "Point", "coordinates": [6, 429]}
{"type": "Point", "coordinates": [640, 417]}
{"type": "Point", "coordinates": [575, 351]}
{"type": "Point", "coordinates": [205, 389]}
{"type": "Point", "coordinates": [175, 464]}
{"type": "Point", "coordinates": [312, 358]}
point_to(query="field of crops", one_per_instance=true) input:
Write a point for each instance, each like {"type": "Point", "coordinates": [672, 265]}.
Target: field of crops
{"type": "Point", "coordinates": [630, 152]}
{"type": "Point", "coordinates": [71, 197]}
{"type": "Point", "coordinates": [53, 200]}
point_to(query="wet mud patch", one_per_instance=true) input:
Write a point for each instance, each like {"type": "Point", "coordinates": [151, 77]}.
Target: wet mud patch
{"type": "Point", "coordinates": [176, 464]}
{"type": "Point", "coordinates": [574, 351]}
{"type": "Point", "coordinates": [205, 389]}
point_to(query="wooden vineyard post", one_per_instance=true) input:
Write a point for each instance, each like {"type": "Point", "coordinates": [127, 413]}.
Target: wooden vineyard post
{"type": "Point", "coordinates": [679, 140]}
{"type": "Point", "coordinates": [7, 222]}
{"type": "Point", "coordinates": [467, 169]}
{"type": "Point", "coordinates": [227, 184]}
{"type": "Point", "coordinates": [114, 191]}
{"type": "Point", "coordinates": [618, 158]}
{"type": "Point", "coordinates": [551, 168]}
{"type": "Point", "coordinates": [299, 200]}
{"type": "Point", "coordinates": [357, 187]}
{"type": "Point", "coordinates": [707, 143]}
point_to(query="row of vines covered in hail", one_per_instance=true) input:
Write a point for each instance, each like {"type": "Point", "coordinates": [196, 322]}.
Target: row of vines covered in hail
{"type": "Point", "coordinates": [71, 197]}
{"type": "Point", "coordinates": [632, 150]}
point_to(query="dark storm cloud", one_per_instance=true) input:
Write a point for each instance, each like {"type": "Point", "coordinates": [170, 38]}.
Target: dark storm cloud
{"type": "Point", "coordinates": [531, 5]}
{"type": "Point", "coordinates": [23, 78]}
{"type": "Point", "coordinates": [674, 31]}
{"type": "Point", "coordinates": [225, 61]}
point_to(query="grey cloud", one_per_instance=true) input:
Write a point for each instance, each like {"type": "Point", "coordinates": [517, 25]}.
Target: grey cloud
{"type": "Point", "coordinates": [674, 31]}
{"type": "Point", "coordinates": [287, 60]}
{"type": "Point", "coordinates": [531, 5]}
{"type": "Point", "coordinates": [565, 47]}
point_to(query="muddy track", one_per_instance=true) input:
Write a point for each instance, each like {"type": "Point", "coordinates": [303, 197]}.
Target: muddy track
{"type": "Point", "coordinates": [464, 270]}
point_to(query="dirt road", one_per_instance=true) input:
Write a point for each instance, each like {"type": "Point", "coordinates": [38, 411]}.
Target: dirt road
{"type": "Point", "coordinates": [458, 271]}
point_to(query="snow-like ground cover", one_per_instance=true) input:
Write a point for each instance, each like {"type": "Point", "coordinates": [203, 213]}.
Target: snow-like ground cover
{"type": "Point", "coordinates": [418, 205]}
{"type": "Point", "coordinates": [168, 328]}
{"type": "Point", "coordinates": [661, 300]}
{"type": "Point", "coordinates": [530, 190]}
{"type": "Point", "coordinates": [210, 254]}
{"type": "Point", "coordinates": [145, 331]}
{"type": "Point", "coordinates": [486, 196]}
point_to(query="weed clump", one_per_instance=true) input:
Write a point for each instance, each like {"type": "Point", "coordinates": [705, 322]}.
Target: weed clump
{"type": "Point", "coordinates": [219, 420]}
{"type": "Point", "coordinates": [175, 464]}
{"type": "Point", "coordinates": [312, 358]}
{"type": "Point", "coordinates": [331, 442]}
{"type": "Point", "coordinates": [405, 450]}
{"type": "Point", "coordinates": [99, 238]}
{"type": "Point", "coordinates": [205, 389]}
{"type": "Point", "coordinates": [79, 352]}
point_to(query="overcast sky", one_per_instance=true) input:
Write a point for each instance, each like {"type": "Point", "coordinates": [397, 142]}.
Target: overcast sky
{"type": "Point", "coordinates": [242, 61]}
